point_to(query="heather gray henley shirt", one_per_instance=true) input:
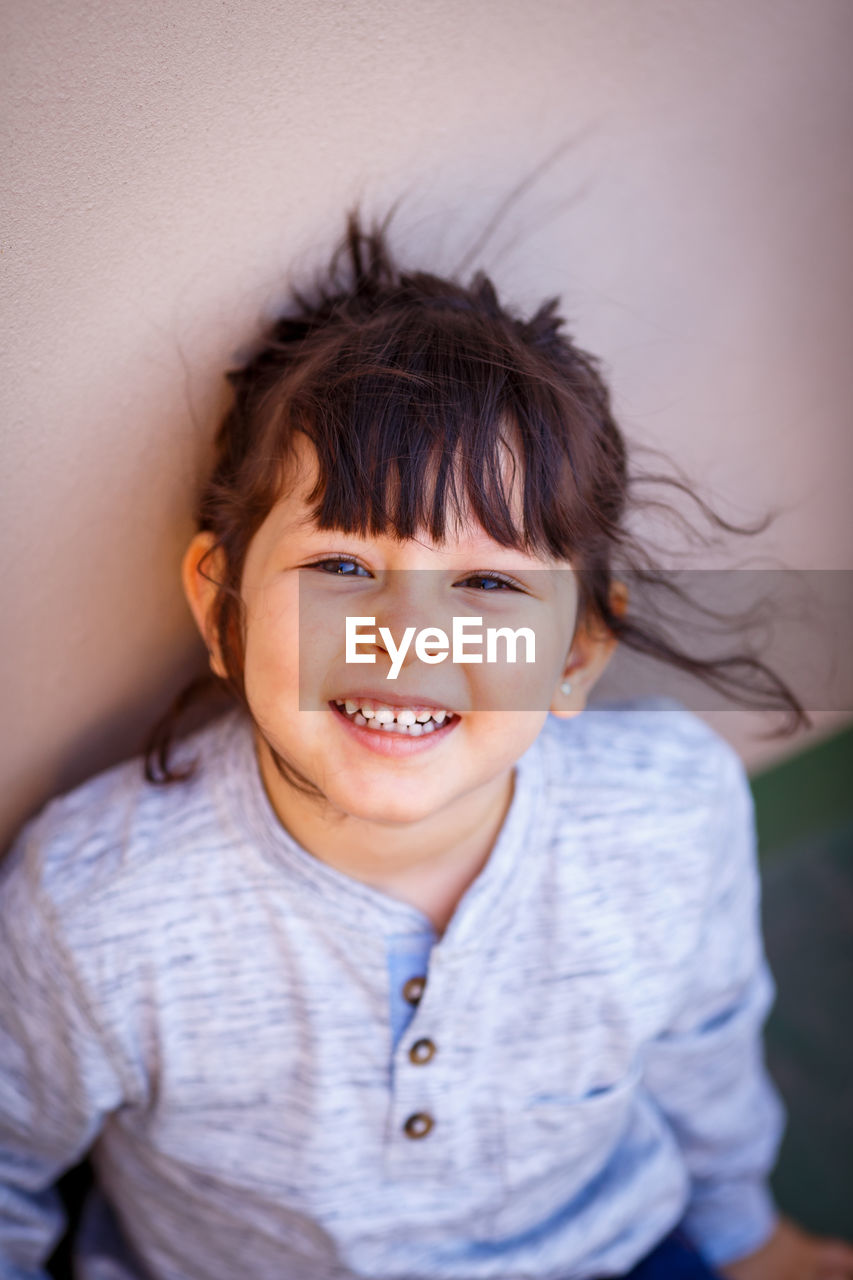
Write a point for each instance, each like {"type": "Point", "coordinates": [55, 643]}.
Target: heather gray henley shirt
{"type": "Point", "coordinates": [233, 1029]}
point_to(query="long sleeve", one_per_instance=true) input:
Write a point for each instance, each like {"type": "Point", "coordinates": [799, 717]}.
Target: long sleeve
{"type": "Point", "coordinates": [56, 1083]}
{"type": "Point", "coordinates": [707, 1072]}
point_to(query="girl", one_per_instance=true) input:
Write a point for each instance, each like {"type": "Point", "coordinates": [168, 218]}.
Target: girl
{"type": "Point", "coordinates": [419, 983]}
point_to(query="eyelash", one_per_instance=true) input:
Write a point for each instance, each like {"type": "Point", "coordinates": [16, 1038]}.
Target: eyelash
{"type": "Point", "coordinates": [489, 577]}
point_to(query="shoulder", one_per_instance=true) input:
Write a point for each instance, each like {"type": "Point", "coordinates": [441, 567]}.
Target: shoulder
{"type": "Point", "coordinates": [649, 807]}
{"type": "Point", "coordinates": [651, 745]}
{"type": "Point", "coordinates": [647, 789]}
{"type": "Point", "coordinates": [116, 827]}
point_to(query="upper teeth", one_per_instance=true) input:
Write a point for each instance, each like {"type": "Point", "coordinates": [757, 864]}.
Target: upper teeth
{"type": "Point", "coordinates": [384, 714]}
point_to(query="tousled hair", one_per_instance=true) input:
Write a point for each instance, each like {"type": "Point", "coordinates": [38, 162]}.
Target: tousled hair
{"type": "Point", "coordinates": [410, 386]}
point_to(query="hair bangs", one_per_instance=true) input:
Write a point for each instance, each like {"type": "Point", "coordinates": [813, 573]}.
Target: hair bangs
{"type": "Point", "coordinates": [430, 427]}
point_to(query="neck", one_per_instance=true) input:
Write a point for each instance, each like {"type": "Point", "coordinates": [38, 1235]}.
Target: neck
{"type": "Point", "coordinates": [429, 863]}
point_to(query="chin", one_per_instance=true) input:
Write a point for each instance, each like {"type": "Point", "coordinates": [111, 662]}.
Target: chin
{"type": "Point", "coordinates": [383, 808]}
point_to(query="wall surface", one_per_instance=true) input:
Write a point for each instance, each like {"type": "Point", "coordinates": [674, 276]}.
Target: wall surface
{"type": "Point", "coordinates": [168, 167]}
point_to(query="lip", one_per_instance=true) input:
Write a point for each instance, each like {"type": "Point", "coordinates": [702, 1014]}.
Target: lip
{"type": "Point", "coordinates": [415, 701]}
{"type": "Point", "coordinates": [395, 745]}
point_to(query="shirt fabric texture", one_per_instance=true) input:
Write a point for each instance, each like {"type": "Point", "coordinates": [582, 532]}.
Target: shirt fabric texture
{"type": "Point", "coordinates": [218, 1017]}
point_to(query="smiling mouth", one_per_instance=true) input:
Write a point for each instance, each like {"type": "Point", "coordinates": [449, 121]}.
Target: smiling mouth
{"type": "Point", "coordinates": [413, 721]}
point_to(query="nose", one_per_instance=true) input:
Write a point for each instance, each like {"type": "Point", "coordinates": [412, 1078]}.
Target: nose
{"type": "Point", "coordinates": [409, 598]}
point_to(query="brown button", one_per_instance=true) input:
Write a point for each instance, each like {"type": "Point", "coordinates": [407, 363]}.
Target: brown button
{"type": "Point", "coordinates": [418, 1125]}
{"type": "Point", "coordinates": [422, 1051]}
{"type": "Point", "coordinates": [414, 989]}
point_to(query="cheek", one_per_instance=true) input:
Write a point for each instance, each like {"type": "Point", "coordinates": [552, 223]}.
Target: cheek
{"type": "Point", "coordinates": [503, 736]}
{"type": "Point", "coordinates": [272, 650]}
{"type": "Point", "coordinates": [520, 686]}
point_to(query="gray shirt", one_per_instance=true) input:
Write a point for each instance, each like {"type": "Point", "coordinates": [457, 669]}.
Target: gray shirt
{"type": "Point", "coordinates": [232, 1028]}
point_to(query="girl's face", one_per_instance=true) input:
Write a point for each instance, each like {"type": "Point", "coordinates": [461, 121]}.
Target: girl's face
{"type": "Point", "coordinates": [300, 584]}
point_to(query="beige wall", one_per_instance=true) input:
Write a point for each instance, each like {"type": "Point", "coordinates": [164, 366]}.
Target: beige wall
{"type": "Point", "coordinates": [169, 163]}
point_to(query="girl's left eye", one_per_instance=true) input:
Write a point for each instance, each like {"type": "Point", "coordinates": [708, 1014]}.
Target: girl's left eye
{"type": "Point", "coordinates": [495, 581]}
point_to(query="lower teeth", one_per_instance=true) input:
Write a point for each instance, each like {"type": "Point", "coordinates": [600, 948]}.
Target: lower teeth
{"type": "Point", "coordinates": [412, 731]}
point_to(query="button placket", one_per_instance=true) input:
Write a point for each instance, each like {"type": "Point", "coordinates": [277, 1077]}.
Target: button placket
{"type": "Point", "coordinates": [420, 1141]}
{"type": "Point", "coordinates": [419, 1123]}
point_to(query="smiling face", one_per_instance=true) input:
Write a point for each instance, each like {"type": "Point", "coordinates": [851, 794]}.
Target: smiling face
{"type": "Point", "coordinates": [299, 582]}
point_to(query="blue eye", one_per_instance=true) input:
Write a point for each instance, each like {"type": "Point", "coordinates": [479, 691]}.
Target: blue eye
{"type": "Point", "coordinates": [337, 560]}
{"type": "Point", "coordinates": [495, 580]}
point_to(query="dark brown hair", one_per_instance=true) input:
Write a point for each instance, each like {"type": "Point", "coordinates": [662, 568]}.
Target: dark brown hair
{"type": "Point", "coordinates": [408, 384]}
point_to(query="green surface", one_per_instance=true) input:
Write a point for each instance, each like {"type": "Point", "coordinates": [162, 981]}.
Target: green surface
{"type": "Point", "coordinates": [804, 814]}
{"type": "Point", "coordinates": [806, 796]}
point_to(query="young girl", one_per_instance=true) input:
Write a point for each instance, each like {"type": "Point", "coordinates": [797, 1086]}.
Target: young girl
{"type": "Point", "coordinates": [403, 979]}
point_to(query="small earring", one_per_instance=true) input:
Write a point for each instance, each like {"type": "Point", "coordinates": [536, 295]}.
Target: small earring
{"type": "Point", "coordinates": [566, 686]}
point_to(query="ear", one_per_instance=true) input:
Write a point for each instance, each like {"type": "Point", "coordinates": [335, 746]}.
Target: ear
{"type": "Point", "coordinates": [201, 592]}
{"type": "Point", "coordinates": [590, 653]}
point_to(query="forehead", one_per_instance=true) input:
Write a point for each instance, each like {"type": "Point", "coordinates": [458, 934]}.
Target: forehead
{"type": "Point", "coordinates": [293, 513]}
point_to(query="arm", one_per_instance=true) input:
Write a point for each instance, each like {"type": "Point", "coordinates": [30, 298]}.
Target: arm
{"type": "Point", "coordinates": [706, 1073]}
{"type": "Point", "coordinates": [56, 1084]}
{"type": "Point", "coordinates": [794, 1254]}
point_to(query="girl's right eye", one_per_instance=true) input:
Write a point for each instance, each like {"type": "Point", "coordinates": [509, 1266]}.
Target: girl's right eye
{"type": "Point", "coordinates": [323, 565]}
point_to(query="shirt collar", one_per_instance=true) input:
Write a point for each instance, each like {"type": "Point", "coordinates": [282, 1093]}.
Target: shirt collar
{"type": "Point", "coordinates": [331, 894]}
